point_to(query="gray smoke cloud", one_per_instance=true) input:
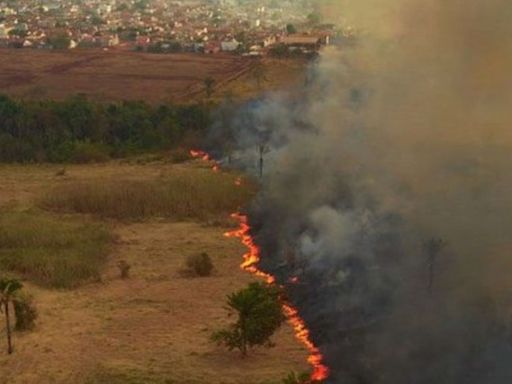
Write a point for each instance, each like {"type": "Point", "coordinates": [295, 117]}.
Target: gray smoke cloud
{"type": "Point", "coordinates": [401, 138]}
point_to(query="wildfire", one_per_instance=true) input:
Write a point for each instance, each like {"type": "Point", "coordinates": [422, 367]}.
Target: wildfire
{"type": "Point", "coordinates": [251, 258]}
{"type": "Point", "coordinates": [197, 154]}
{"type": "Point", "coordinates": [250, 264]}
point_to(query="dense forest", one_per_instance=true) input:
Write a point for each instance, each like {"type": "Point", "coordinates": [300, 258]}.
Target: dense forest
{"type": "Point", "coordinates": [79, 130]}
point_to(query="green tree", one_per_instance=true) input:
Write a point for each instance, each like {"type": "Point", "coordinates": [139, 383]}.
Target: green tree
{"type": "Point", "coordinates": [290, 28]}
{"type": "Point", "coordinates": [314, 18]}
{"type": "Point", "coordinates": [61, 41]}
{"type": "Point", "coordinates": [8, 290]}
{"type": "Point", "coordinates": [259, 313]}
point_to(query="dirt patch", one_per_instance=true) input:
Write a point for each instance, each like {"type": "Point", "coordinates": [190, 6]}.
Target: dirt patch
{"type": "Point", "coordinates": [113, 74]}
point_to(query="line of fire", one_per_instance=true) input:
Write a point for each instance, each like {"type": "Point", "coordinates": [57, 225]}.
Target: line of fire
{"type": "Point", "coordinates": [251, 259]}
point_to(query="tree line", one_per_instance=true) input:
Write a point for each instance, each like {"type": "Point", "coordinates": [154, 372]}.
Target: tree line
{"type": "Point", "coordinates": [80, 130]}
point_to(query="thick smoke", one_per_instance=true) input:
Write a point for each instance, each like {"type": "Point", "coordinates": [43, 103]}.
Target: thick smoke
{"type": "Point", "coordinates": [399, 140]}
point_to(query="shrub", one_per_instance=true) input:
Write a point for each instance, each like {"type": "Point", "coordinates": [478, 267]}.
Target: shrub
{"type": "Point", "coordinates": [179, 155]}
{"type": "Point", "coordinates": [61, 172]}
{"type": "Point", "coordinates": [25, 312]}
{"type": "Point", "coordinates": [199, 265]}
{"type": "Point", "coordinates": [294, 378]}
{"type": "Point", "coordinates": [259, 313]}
{"type": "Point", "coordinates": [52, 251]}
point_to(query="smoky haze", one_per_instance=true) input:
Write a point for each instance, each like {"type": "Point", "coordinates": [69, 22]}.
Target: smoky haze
{"type": "Point", "coordinates": [400, 141]}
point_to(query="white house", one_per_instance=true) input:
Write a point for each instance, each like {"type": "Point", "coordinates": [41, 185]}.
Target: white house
{"type": "Point", "coordinates": [229, 46]}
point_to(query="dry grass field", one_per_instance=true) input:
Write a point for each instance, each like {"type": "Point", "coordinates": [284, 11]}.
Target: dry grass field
{"type": "Point", "coordinates": [151, 328]}
{"type": "Point", "coordinates": [123, 75]}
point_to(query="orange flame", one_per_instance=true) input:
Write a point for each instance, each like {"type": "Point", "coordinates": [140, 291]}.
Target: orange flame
{"type": "Point", "coordinates": [250, 264]}
{"type": "Point", "coordinates": [197, 154]}
{"type": "Point", "coordinates": [251, 258]}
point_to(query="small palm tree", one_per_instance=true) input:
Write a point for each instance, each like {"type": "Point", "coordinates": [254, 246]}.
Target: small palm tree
{"type": "Point", "coordinates": [8, 289]}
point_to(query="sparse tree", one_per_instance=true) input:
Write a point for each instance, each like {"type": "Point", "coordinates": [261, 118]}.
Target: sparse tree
{"type": "Point", "coordinates": [259, 74]}
{"type": "Point", "coordinates": [8, 290]}
{"type": "Point", "coordinates": [433, 248]}
{"type": "Point", "coordinates": [209, 84]}
{"type": "Point", "coordinates": [262, 148]}
{"type": "Point", "coordinates": [259, 313]}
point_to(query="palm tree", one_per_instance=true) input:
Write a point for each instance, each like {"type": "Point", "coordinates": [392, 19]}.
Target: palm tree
{"type": "Point", "coordinates": [8, 289]}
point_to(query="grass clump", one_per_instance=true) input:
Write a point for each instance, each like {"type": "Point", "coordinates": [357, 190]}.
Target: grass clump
{"type": "Point", "coordinates": [200, 265]}
{"type": "Point", "coordinates": [198, 194]}
{"type": "Point", "coordinates": [128, 375]}
{"type": "Point", "coordinates": [51, 251]}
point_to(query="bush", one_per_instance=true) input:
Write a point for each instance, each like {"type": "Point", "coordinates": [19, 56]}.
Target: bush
{"type": "Point", "coordinates": [295, 378]}
{"type": "Point", "coordinates": [259, 313]}
{"type": "Point", "coordinates": [180, 155]}
{"type": "Point", "coordinates": [199, 265]}
{"type": "Point", "coordinates": [25, 312]}
{"type": "Point", "coordinates": [52, 251]}
{"type": "Point", "coordinates": [124, 269]}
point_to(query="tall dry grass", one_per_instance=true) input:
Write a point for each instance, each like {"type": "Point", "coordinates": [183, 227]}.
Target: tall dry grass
{"type": "Point", "coordinates": [198, 194]}
{"type": "Point", "coordinates": [54, 252]}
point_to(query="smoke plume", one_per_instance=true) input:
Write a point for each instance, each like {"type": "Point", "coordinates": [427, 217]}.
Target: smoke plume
{"type": "Point", "coordinates": [387, 192]}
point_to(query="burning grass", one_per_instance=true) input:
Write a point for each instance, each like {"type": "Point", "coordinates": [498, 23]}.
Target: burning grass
{"type": "Point", "coordinates": [54, 252]}
{"type": "Point", "coordinates": [251, 260]}
{"type": "Point", "coordinates": [197, 194]}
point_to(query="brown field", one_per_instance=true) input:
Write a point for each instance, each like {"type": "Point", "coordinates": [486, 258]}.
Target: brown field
{"type": "Point", "coordinates": [123, 75]}
{"type": "Point", "coordinates": [152, 328]}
